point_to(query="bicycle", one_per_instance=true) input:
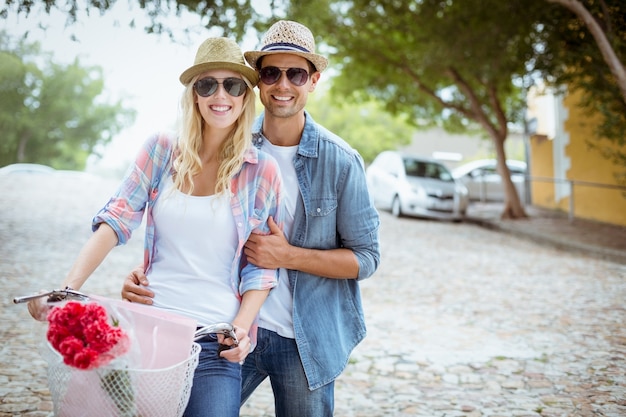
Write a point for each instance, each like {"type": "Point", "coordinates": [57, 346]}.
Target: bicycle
{"type": "Point", "coordinates": [115, 389]}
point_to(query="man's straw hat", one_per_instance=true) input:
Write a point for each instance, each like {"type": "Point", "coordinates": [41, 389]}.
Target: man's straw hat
{"type": "Point", "coordinates": [287, 37]}
{"type": "Point", "coordinates": [220, 53]}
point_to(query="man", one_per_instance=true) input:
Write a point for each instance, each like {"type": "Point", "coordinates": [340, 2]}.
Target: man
{"type": "Point", "coordinates": [312, 321]}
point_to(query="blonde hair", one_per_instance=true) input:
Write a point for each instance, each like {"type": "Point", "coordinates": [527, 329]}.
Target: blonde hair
{"type": "Point", "coordinates": [187, 161]}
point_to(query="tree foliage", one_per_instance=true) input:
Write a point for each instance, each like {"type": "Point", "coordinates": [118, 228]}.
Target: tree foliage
{"type": "Point", "coordinates": [365, 126]}
{"type": "Point", "coordinates": [607, 30]}
{"type": "Point", "coordinates": [459, 64]}
{"type": "Point", "coordinates": [456, 64]}
{"type": "Point", "coordinates": [51, 113]}
{"type": "Point", "coordinates": [234, 17]}
{"type": "Point", "coordinates": [571, 57]}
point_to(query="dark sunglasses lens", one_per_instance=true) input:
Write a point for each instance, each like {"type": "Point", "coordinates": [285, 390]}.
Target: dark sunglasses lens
{"type": "Point", "coordinates": [297, 76]}
{"type": "Point", "coordinates": [235, 86]}
{"type": "Point", "coordinates": [206, 86]}
{"type": "Point", "coordinates": [269, 75]}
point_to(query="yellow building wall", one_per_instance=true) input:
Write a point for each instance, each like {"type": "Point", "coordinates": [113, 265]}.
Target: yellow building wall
{"type": "Point", "coordinates": [602, 204]}
{"type": "Point", "coordinates": [542, 166]}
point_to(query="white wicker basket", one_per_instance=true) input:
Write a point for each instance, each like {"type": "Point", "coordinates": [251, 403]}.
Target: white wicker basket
{"type": "Point", "coordinates": [115, 391]}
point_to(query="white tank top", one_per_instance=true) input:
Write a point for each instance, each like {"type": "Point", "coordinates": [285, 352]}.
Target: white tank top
{"type": "Point", "coordinates": [195, 244]}
{"type": "Point", "coordinates": [277, 311]}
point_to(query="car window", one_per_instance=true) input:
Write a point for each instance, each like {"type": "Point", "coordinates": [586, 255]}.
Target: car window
{"type": "Point", "coordinates": [516, 170]}
{"type": "Point", "coordinates": [483, 172]}
{"type": "Point", "coordinates": [416, 168]}
{"type": "Point", "coordinates": [438, 171]}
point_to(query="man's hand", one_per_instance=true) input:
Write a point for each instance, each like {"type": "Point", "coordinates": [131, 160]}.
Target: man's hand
{"type": "Point", "coordinates": [134, 289]}
{"type": "Point", "coordinates": [268, 251]}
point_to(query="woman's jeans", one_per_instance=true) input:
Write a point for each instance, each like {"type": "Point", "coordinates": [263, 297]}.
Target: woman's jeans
{"type": "Point", "coordinates": [216, 390]}
{"type": "Point", "coordinates": [277, 357]}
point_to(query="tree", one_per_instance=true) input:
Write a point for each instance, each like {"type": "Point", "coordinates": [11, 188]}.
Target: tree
{"type": "Point", "coordinates": [235, 17]}
{"type": "Point", "coordinates": [580, 41]}
{"type": "Point", "coordinates": [458, 64]}
{"type": "Point", "coordinates": [51, 113]}
{"type": "Point", "coordinates": [597, 29]}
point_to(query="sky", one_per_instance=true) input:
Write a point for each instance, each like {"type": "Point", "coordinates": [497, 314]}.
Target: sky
{"type": "Point", "coordinates": [140, 68]}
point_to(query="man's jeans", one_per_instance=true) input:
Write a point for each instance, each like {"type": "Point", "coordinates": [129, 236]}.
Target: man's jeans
{"type": "Point", "coordinates": [277, 357]}
{"type": "Point", "coordinates": [216, 389]}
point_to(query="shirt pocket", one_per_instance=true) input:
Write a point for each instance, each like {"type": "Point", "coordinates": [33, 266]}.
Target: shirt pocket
{"type": "Point", "coordinates": [323, 206]}
{"type": "Point", "coordinates": [323, 221]}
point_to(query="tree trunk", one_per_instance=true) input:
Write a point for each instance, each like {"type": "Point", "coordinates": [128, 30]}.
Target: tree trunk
{"type": "Point", "coordinates": [513, 208]}
{"type": "Point", "coordinates": [21, 149]}
{"type": "Point", "coordinates": [610, 57]}
{"type": "Point", "coordinates": [498, 131]}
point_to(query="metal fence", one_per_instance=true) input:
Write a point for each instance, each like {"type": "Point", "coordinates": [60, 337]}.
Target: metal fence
{"type": "Point", "coordinates": [571, 184]}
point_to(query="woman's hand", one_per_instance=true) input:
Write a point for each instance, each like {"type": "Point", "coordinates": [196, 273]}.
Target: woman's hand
{"type": "Point", "coordinates": [39, 308]}
{"type": "Point", "coordinates": [237, 353]}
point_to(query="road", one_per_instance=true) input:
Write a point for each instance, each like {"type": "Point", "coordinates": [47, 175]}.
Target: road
{"type": "Point", "coordinates": [462, 321]}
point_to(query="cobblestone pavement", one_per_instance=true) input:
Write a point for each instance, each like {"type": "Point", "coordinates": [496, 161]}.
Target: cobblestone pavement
{"type": "Point", "coordinates": [462, 320]}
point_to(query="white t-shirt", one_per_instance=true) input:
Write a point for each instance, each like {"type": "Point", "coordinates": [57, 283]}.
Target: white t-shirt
{"type": "Point", "coordinates": [276, 313]}
{"type": "Point", "coordinates": [195, 244]}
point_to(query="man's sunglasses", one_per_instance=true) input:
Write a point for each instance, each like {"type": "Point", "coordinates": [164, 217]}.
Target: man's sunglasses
{"type": "Point", "coordinates": [208, 86]}
{"type": "Point", "coordinates": [271, 75]}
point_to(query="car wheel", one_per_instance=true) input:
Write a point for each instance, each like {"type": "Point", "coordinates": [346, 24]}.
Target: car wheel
{"type": "Point", "coordinates": [396, 209]}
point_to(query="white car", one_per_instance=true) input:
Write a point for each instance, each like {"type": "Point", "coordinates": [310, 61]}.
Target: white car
{"type": "Point", "coordinates": [415, 186]}
{"type": "Point", "coordinates": [485, 184]}
{"type": "Point", "coordinates": [26, 168]}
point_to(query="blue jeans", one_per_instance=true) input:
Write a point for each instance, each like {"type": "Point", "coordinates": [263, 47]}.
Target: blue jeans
{"type": "Point", "coordinates": [277, 357]}
{"type": "Point", "coordinates": [216, 390]}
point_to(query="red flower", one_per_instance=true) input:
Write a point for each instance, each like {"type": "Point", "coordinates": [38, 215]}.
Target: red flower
{"type": "Point", "coordinates": [82, 334]}
{"type": "Point", "coordinates": [85, 359]}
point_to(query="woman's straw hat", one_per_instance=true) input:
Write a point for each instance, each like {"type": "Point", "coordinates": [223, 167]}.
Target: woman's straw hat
{"type": "Point", "coordinates": [287, 37]}
{"type": "Point", "coordinates": [219, 53]}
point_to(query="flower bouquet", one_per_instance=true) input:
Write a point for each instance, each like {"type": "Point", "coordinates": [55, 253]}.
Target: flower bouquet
{"type": "Point", "coordinates": [97, 364]}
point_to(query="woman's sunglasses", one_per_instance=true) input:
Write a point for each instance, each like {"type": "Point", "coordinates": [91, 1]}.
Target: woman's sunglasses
{"type": "Point", "coordinates": [208, 86]}
{"type": "Point", "coordinates": [271, 75]}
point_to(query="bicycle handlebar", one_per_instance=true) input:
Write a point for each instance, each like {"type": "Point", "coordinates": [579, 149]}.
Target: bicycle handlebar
{"type": "Point", "coordinates": [226, 329]}
{"type": "Point", "coordinates": [57, 295]}
{"type": "Point", "coordinates": [54, 296]}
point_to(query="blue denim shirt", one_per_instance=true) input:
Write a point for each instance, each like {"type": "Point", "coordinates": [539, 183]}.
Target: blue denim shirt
{"type": "Point", "coordinates": [335, 212]}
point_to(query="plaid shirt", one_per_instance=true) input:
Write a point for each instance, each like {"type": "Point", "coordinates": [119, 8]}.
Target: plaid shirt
{"type": "Point", "coordinates": [255, 195]}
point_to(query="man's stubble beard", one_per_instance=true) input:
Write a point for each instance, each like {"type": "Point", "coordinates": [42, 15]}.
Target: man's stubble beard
{"type": "Point", "coordinates": [283, 112]}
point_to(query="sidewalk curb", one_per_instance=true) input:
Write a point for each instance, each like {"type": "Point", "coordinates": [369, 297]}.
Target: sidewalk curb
{"type": "Point", "coordinates": [609, 254]}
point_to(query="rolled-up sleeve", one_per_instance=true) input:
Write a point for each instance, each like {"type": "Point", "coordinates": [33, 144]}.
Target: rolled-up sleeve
{"type": "Point", "coordinates": [125, 209]}
{"type": "Point", "coordinates": [358, 220]}
{"type": "Point", "coordinates": [264, 194]}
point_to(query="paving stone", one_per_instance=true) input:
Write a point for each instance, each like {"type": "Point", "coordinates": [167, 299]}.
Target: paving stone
{"type": "Point", "coordinates": [485, 319]}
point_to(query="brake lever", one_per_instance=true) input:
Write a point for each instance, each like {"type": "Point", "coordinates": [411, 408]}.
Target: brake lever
{"type": "Point", "coordinates": [226, 329]}
{"type": "Point", "coordinates": [54, 296]}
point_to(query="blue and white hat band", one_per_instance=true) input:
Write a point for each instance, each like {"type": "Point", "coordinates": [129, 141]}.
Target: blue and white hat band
{"type": "Point", "coordinates": [284, 47]}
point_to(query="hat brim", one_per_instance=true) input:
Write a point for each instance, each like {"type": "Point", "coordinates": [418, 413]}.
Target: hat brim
{"type": "Point", "coordinates": [248, 73]}
{"type": "Point", "coordinates": [319, 61]}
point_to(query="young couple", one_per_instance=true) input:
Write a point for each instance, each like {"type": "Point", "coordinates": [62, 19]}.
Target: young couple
{"type": "Point", "coordinates": [226, 223]}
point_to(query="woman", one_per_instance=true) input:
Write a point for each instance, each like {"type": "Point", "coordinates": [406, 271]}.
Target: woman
{"type": "Point", "coordinates": [204, 193]}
